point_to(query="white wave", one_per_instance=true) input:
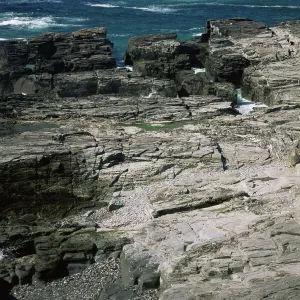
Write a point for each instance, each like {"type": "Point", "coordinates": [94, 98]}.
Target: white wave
{"type": "Point", "coordinates": [195, 28]}
{"type": "Point", "coordinates": [156, 9]}
{"type": "Point", "coordinates": [184, 4]}
{"type": "Point", "coordinates": [247, 106]}
{"type": "Point", "coordinates": [119, 34]}
{"type": "Point", "coordinates": [103, 5]}
{"type": "Point", "coordinates": [197, 34]}
{"type": "Point", "coordinates": [34, 1]}
{"type": "Point", "coordinates": [251, 5]}
{"type": "Point", "coordinates": [32, 23]}
{"type": "Point", "coordinates": [128, 68]}
{"type": "Point", "coordinates": [2, 39]}
{"type": "Point", "coordinates": [73, 19]}
{"type": "Point", "coordinates": [244, 106]}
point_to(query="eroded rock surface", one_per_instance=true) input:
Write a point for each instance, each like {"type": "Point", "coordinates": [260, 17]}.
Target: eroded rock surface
{"type": "Point", "coordinates": [155, 169]}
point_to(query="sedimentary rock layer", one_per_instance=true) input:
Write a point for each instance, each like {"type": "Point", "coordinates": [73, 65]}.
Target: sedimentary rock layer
{"type": "Point", "coordinates": [152, 166]}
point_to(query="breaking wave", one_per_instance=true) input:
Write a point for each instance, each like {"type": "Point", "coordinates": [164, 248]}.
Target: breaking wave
{"type": "Point", "coordinates": [23, 22]}
{"type": "Point", "coordinates": [152, 8]}
{"type": "Point", "coordinates": [28, 22]}
{"type": "Point", "coordinates": [33, 1]}
{"type": "Point", "coordinates": [249, 5]}
{"type": "Point", "coordinates": [156, 9]}
{"type": "Point", "coordinates": [103, 5]}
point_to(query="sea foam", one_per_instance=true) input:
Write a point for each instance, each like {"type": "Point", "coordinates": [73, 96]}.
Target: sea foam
{"type": "Point", "coordinates": [102, 5]}
{"type": "Point", "coordinates": [33, 23]}
{"type": "Point", "coordinates": [252, 5]}
{"type": "Point", "coordinates": [244, 106]}
{"type": "Point", "coordinates": [28, 22]}
{"type": "Point", "coordinates": [155, 9]}
{"type": "Point", "coordinates": [33, 1]}
{"type": "Point", "coordinates": [199, 70]}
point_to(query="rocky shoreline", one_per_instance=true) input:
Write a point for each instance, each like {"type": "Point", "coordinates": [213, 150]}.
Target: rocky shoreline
{"type": "Point", "coordinates": [144, 182]}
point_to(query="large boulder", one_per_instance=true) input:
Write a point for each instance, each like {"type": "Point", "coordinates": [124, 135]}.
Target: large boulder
{"type": "Point", "coordinates": [23, 62]}
{"type": "Point", "coordinates": [151, 47]}
{"type": "Point", "coordinates": [162, 55]}
{"type": "Point", "coordinates": [225, 61]}
{"type": "Point", "coordinates": [86, 49]}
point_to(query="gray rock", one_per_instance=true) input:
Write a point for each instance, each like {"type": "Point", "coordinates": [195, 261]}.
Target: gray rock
{"type": "Point", "coordinates": [294, 156]}
{"type": "Point", "coordinates": [209, 204]}
{"type": "Point", "coordinates": [115, 291]}
{"type": "Point", "coordinates": [25, 272]}
{"type": "Point", "coordinates": [162, 56]}
{"type": "Point", "coordinates": [115, 204]}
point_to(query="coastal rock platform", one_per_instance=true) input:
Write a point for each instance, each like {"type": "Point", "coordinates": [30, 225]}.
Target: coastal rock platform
{"type": "Point", "coordinates": [147, 184]}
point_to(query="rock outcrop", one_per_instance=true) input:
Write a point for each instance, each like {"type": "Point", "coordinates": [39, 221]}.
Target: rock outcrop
{"type": "Point", "coordinates": [49, 54]}
{"type": "Point", "coordinates": [152, 168]}
{"type": "Point", "coordinates": [162, 55]}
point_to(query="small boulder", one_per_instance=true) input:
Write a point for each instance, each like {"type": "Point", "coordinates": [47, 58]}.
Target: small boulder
{"type": "Point", "coordinates": [115, 204]}
{"type": "Point", "coordinates": [294, 156]}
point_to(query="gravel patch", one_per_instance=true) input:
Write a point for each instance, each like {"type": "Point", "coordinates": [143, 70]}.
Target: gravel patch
{"type": "Point", "coordinates": [136, 207]}
{"type": "Point", "coordinates": [87, 285]}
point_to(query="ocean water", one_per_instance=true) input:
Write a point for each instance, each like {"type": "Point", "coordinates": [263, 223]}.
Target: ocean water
{"type": "Point", "coordinates": [127, 18]}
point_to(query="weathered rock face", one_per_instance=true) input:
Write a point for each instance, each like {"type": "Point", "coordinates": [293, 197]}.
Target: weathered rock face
{"type": "Point", "coordinates": [238, 28]}
{"type": "Point", "coordinates": [83, 50]}
{"type": "Point", "coordinates": [224, 63]}
{"type": "Point", "coordinates": [294, 156]}
{"type": "Point", "coordinates": [201, 202]}
{"type": "Point", "coordinates": [162, 56]}
{"type": "Point", "coordinates": [263, 62]}
{"type": "Point", "coordinates": [51, 53]}
{"type": "Point", "coordinates": [44, 252]}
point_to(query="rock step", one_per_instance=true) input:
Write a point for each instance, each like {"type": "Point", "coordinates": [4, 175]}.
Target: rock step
{"type": "Point", "coordinates": [117, 107]}
{"type": "Point", "coordinates": [80, 84]}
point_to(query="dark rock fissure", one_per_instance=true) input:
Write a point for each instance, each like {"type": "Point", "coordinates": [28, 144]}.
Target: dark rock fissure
{"type": "Point", "coordinates": [223, 158]}
{"type": "Point", "coordinates": [207, 203]}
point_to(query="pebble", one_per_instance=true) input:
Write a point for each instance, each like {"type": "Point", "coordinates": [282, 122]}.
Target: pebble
{"type": "Point", "coordinates": [87, 285]}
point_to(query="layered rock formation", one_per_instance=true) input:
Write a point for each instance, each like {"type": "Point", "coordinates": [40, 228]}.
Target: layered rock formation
{"type": "Point", "coordinates": [152, 166]}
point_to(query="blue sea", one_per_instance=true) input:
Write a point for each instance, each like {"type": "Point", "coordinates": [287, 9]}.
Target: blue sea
{"type": "Point", "coordinates": [127, 18]}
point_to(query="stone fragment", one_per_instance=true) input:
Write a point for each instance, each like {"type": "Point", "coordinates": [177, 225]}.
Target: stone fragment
{"type": "Point", "coordinates": [294, 156]}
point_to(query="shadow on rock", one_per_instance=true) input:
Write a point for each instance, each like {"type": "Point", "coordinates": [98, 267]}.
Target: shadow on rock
{"type": "Point", "coordinates": [5, 289]}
